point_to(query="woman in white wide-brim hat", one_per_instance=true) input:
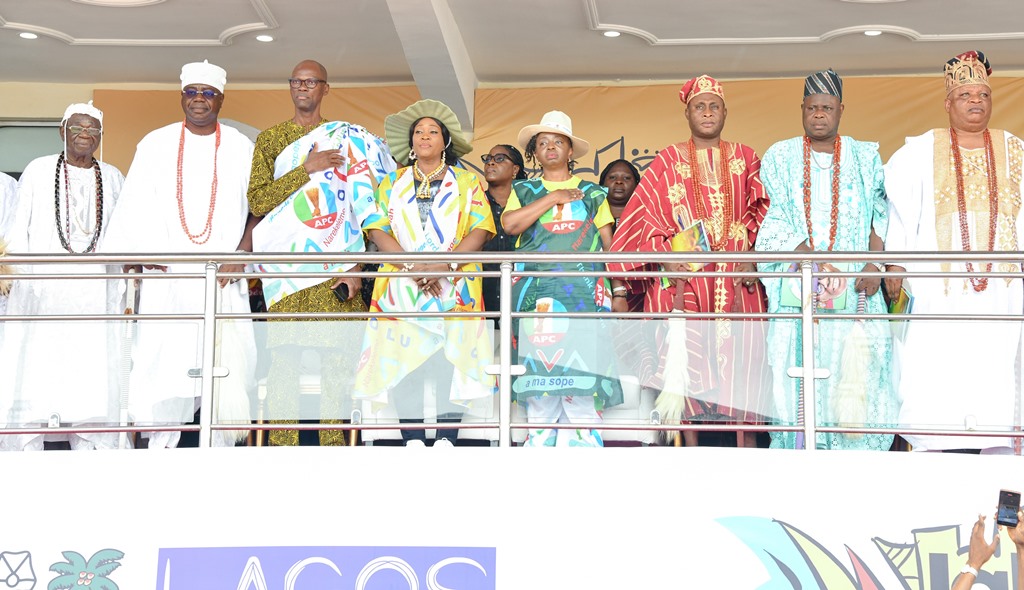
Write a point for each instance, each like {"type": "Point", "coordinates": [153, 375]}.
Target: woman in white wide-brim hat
{"type": "Point", "coordinates": [570, 377]}
{"type": "Point", "coordinates": [429, 205]}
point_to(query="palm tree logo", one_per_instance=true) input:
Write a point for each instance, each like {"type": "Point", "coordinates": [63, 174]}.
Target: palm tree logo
{"type": "Point", "coordinates": [80, 574]}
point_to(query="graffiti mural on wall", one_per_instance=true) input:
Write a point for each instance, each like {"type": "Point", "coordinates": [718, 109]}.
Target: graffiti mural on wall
{"type": "Point", "coordinates": [17, 573]}
{"type": "Point", "coordinates": [794, 559]}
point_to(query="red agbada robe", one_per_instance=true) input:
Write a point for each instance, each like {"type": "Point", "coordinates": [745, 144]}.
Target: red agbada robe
{"type": "Point", "coordinates": [735, 369]}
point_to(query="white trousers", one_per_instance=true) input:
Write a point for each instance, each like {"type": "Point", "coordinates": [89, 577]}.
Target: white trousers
{"type": "Point", "coordinates": [562, 410]}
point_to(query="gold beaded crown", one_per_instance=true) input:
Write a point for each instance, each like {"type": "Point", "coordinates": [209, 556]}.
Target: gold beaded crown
{"type": "Point", "coordinates": [970, 67]}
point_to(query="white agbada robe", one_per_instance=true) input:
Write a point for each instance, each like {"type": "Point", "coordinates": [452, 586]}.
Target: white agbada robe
{"type": "Point", "coordinates": [8, 196]}
{"type": "Point", "coordinates": [953, 375]}
{"type": "Point", "coordinates": [65, 368]}
{"type": "Point", "coordinates": [147, 221]}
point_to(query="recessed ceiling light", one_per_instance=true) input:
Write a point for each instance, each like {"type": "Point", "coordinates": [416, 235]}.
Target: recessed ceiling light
{"type": "Point", "coordinates": [873, 33]}
{"type": "Point", "coordinates": [264, 38]}
{"type": "Point", "coordinates": [27, 35]}
{"type": "Point", "coordinates": [612, 33]}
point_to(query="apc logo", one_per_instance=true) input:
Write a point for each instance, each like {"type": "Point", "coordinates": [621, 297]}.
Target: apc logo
{"type": "Point", "coordinates": [309, 568]}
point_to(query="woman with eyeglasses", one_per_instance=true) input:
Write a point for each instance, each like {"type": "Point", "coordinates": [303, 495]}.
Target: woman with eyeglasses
{"type": "Point", "coordinates": [430, 205]}
{"type": "Point", "coordinates": [502, 166]}
{"type": "Point", "coordinates": [571, 375]}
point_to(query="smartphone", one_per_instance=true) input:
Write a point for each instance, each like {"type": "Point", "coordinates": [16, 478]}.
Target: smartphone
{"type": "Point", "coordinates": [1009, 504]}
{"type": "Point", "coordinates": [341, 292]}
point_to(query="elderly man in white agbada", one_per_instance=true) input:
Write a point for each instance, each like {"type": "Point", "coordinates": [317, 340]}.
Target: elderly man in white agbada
{"type": "Point", "coordinates": [63, 372]}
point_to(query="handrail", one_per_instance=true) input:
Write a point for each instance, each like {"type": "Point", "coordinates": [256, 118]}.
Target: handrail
{"type": "Point", "coordinates": [211, 261]}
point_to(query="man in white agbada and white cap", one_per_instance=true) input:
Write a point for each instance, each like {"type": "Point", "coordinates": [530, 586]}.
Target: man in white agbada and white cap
{"type": "Point", "coordinates": [8, 192]}
{"type": "Point", "coordinates": [64, 372]}
{"type": "Point", "coordinates": [186, 192]}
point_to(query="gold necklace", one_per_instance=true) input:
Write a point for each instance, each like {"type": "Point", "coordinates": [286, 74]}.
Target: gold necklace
{"type": "Point", "coordinates": [423, 192]}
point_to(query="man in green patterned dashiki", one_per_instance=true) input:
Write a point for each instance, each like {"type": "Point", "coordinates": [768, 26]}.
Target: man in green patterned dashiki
{"type": "Point", "coordinates": [313, 181]}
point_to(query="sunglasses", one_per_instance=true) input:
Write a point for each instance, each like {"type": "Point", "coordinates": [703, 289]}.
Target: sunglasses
{"type": "Point", "coordinates": [77, 130]}
{"type": "Point", "coordinates": [496, 158]}
{"type": "Point", "coordinates": [310, 83]}
{"type": "Point", "coordinates": [207, 94]}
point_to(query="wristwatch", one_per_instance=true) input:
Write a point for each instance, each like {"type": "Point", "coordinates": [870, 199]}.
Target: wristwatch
{"type": "Point", "coordinates": [967, 569]}
{"type": "Point", "coordinates": [453, 266]}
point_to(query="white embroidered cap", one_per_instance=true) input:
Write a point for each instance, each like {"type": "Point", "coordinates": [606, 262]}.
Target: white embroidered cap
{"type": "Point", "coordinates": [203, 72]}
{"type": "Point", "coordinates": [82, 108]}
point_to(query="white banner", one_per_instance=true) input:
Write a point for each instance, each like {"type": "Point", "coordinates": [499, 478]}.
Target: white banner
{"type": "Point", "coordinates": [478, 518]}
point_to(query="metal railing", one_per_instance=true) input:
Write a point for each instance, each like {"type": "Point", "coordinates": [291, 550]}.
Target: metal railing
{"type": "Point", "coordinates": [504, 370]}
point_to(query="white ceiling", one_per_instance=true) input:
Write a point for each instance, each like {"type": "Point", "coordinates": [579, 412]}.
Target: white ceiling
{"type": "Point", "coordinates": [449, 47]}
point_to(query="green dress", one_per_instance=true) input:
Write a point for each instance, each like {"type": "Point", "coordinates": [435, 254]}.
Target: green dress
{"type": "Point", "coordinates": [563, 357]}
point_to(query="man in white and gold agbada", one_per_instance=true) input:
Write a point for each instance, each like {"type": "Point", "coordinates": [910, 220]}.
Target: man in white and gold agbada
{"type": "Point", "coordinates": [958, 189]}
{"type": "Point", "coordinates": [185, 193]}
{"type": "Point", "coordinates": [63, 369]}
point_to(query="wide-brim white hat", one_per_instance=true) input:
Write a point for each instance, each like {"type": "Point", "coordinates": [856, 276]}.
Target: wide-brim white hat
{"type": "Point", "coordinates": [555, 122]}
{"type": "Point", "coordinates": [396, 128]}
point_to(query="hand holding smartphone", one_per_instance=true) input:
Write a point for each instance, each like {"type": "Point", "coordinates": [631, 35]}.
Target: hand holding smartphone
{"type": "Point", "coordinates": [1009, 504]}
{"type": "Point", "coordinates": [341, 292]}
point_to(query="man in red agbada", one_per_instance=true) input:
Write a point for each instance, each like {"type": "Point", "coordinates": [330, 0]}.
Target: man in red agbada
{"type": "Point", "coordinates": [720, 373]}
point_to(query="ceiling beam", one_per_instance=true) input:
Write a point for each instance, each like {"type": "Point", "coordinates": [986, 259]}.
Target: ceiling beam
{"type": "Point", "coordinates": [437, 55]}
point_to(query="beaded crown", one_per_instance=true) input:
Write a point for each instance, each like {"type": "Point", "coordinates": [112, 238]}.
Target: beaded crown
{"type": "Point", "coordinates": [968, 68]}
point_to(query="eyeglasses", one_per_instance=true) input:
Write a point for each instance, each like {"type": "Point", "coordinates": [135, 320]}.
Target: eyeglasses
{"type": "Point", "coordinates": [496, 158]}
{"type": "Point", "coordinates": [207, 94]}
{"type": "Point", "coordinates": [77, 130]}
{"type": "Point", "coordinates": [308, 82]}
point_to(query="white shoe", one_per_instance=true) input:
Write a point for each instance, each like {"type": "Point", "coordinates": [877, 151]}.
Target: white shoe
{"type": "Point", "coordinates": [443, 442]}
{"type": "Point", "coordinates": [416, 443]}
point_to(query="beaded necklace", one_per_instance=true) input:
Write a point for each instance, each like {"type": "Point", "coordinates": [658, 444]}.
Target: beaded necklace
{"type": "Point", "coordinates": [724, 185]}
{"type": "Point", "coordinates": [423, 192]}
{"type": "Point", "coordinates": [203, 236]}
{"type": "Point", "coordinates": [961, 203]}
{"type": "Point", "coordinates": [837, 152]}
{"type": "Point", "coordinates": [64, 233]}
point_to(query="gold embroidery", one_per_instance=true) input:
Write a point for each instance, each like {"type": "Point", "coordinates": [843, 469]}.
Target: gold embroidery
{"type": "Point", "coordinates": [715, 225]}
{"type": "Point", "coordinates": [683, 170]}
{"type": "Point", "coordinates": [737, 166]}
{"type": "Point", "coordinates": [738, 232]}
{"type": "Point", "coordinates": [723, 327]}
{"type": "Point", "coordinates": [1008, 157]}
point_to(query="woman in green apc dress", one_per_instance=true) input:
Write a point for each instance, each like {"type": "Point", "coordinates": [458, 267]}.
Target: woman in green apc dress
{"type": "Point", "coordinates": [570, 375]}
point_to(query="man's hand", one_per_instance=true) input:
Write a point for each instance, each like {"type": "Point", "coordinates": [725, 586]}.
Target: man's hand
{"type": "Point", "coordinates": [749, 282]}
{"type": "Point", "coordinates": [355, 285]}
{"type": "Point", "coordinates": [619, 304]}
{"type": "Point", "coordinates": [868, 284]}
{"type": "Point", "coordinates": [893, 284]}
{"type": "Point", "coordinates": [225, 281]}
{"type": "Point", "coordinates": [322, 160]}
{"type": "Point", "coordinates": [980, 551]}
{"type": "Point", "coordinates": [1017, 534]}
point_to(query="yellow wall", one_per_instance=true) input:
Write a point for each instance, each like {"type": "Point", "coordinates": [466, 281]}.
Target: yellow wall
{"type": "Point", "coordinates": [629, 121]}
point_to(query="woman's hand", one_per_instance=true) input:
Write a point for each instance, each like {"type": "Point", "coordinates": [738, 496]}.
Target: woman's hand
{"type": "Point", "coordinates": [429, 285]}
{"type": "Point", "coordinates": [566, 195]}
